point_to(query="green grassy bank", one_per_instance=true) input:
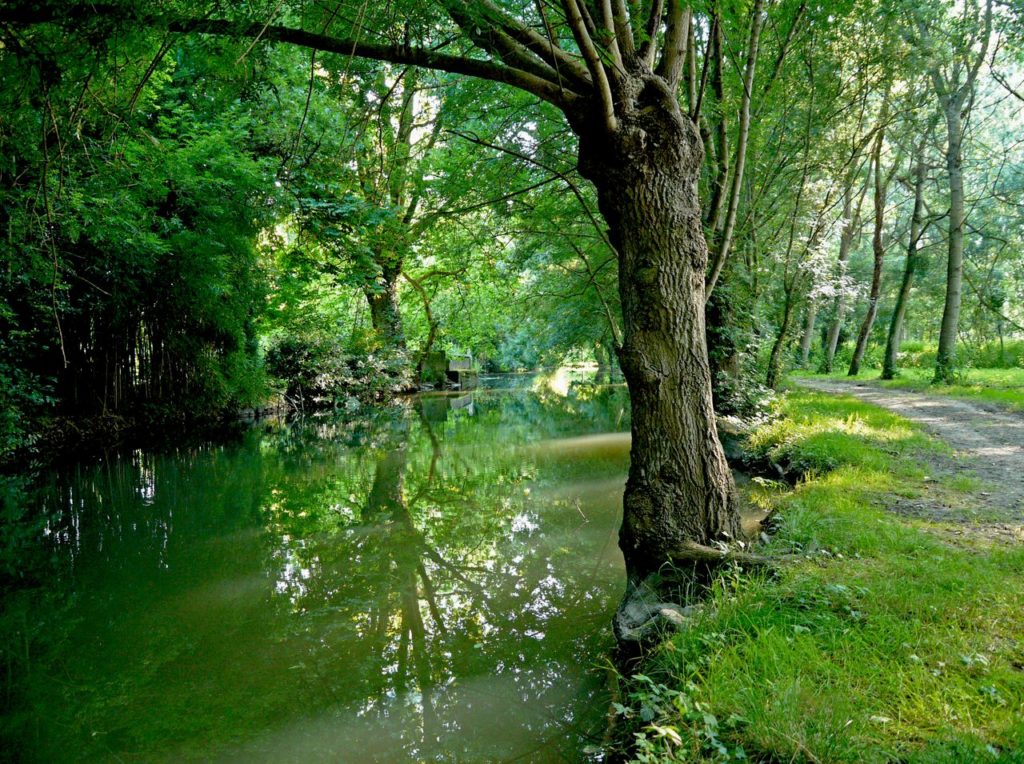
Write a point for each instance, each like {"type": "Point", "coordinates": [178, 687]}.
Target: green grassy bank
{"type": "Point", "coordinates": [885, 641]}
{"type": "Point", "coordinates": [1001, 387]}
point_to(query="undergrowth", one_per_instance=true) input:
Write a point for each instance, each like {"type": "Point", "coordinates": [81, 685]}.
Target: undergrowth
{"type": "Point", "coordinates": [885, 643]}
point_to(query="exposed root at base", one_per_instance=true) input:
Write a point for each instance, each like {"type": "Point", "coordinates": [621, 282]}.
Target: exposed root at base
{"type": "Point", "coordinates": [645, 615]}
{"type": "Point", "coordinates": [691, 551]}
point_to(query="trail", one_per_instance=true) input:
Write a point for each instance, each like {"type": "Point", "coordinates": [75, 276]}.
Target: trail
{"type": "Point", "coordinates": [989, 446]}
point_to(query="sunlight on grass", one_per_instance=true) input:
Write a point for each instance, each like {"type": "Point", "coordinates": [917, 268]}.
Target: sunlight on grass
{"type": "Point", "coordinates": [886, 643]}
{"type": "Point", "coordinates": [1001, 387]}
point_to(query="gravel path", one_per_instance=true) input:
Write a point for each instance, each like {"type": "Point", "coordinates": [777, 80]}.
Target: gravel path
{"type": "Point", "coordinates": [989, 446]}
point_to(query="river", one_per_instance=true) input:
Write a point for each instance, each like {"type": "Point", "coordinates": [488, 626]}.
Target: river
{"type": "Point", "coordinates": [431, 582]}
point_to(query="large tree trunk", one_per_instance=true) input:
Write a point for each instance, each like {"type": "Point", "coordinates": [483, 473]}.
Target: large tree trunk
{"type": "Point", "coordinates": [945, 363]}
{"type": "Point", "coordinates": [892, 344]}
{"type": "Point", "coordinates": [385, 315]}
{"type": "Point", "coordinates": [646, 173]}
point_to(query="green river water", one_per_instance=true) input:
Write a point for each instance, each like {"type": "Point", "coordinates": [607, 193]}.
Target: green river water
{"type": "Point", "coordinates": [434, 583]}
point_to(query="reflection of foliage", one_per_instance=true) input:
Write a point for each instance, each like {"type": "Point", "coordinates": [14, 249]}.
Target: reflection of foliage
{"type": "Point", "coordinates": [383, 569]}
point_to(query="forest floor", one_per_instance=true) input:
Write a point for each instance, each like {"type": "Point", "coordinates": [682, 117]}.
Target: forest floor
{"type": "Point", "coordinates": [988, 465]}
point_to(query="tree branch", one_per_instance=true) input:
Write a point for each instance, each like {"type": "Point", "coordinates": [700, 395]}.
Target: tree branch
{"type": "Point", "coordinates": [546, 48]}
{"type": "Point", "coordinates": [691, 551]}
{"type": "Point", "coordinates": [609, 316]}
{"type": "Point", "coordinates": [1006, 85]}
{"type": "Point", "coordinates": [649, 45]}
{"type": "Point", "coordinates": [725, 243]}
{"type": "Point", "coordinates": [673, 56]}
{"type": "Point", "coordinates": [594, 64]}
{"type": "Point", "coordinates": [542, 87]}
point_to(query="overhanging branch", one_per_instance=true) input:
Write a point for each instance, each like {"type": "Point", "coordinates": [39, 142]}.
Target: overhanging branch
{"type": "Point", "coordinates": [541, 87]}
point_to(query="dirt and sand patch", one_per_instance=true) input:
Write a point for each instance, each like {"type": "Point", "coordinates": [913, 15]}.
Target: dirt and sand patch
{"type": "Point", "coordinates": [987, 470]}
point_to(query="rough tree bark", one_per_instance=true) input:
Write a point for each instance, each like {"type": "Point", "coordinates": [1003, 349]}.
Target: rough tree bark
{"type": "Point", "coordinates": [646, 174]}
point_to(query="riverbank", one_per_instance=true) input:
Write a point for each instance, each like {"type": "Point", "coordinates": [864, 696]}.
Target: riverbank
{"type": "Point", "coordinates": [895, 637]}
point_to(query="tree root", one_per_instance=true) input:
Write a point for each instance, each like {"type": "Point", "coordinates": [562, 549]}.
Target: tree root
{"type": "Point", "coordinates": [691, 551]}
{"type": "Point", "coordinates": [645, 616]}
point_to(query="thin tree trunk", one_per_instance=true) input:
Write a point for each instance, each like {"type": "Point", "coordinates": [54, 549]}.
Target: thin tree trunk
{"type": "Point", "coordinates": [945, 363]}
{"type": "Point", "coordinates": [851, 214]}
{"type": "Point", "coordinates": [955, 99]}
{"type": "Point", "coordinates": [721, 146]}
{"type": "Point", "coordinates": [775, 359]}
{"type": "Point", "coordinates": [428, 313]}
{"type": "Point", "coordinates": [878, 249]}
{"type": "Point", "coordinates": [892, 344]}
{"type": "Point", "coordinates": [603, 367]}
{"type": "Point", "coordinates": [723, 243]}
{"type": "Point", "coordinates": [808, 337]}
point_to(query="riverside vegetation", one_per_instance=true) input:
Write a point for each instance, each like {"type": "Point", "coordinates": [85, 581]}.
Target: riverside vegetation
{"type": "Point", "coordinates": [287, 210]}
{"type": "Point", "coordinates": [894, 638]}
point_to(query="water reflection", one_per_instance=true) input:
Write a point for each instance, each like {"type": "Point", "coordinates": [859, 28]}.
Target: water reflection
{"type": "Point", "coordinates": [433, 585]}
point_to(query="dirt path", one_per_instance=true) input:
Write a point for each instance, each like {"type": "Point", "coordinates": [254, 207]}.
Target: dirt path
{"type": "Point", "coordinates": [989, 447]}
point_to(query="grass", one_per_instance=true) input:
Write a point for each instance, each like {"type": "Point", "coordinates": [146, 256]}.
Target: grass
{"type": "Point", "coordinates": [885, 643]}
{"type": "Point", "coordinates": [1001, 387]}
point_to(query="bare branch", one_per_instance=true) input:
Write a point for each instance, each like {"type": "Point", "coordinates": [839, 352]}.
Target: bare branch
{"type": "Point", "coordinates": [546, 47]}
{"type": "Point", "coordinates": [786, 45]}
{"type": "Point", "coordinates": [673, 57]}
{"type": "Point", "coordinates": [609, 316]}
{"type": "Point", "coordinates": [1006, 85]}
{"type": "Point", "coordinates": [649, 46]}
{"type": "Point", "coordinates": [593, 59]}
{"type": "Point", "coordinates": [983, 53]}
{"type": "Point", "coordinates": [623, 30]}
{"type": "Point", "coordinates": [695, 111]}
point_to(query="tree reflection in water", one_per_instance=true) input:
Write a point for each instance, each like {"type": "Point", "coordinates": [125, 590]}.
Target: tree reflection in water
{"type": "Point", "coordinates": [433, 585]}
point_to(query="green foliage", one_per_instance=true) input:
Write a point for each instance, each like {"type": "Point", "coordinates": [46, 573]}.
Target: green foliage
{"type": "Point", "coordinates": [673, 726]}
{"type": "Point", "coordinates": [20, 528]}
{"type": "Point", "coordinates": [992, 354]}
{"type": "Point", "coordinates": [318, 371]}
{"type": "Point", "coordinates": [817, 435]}
{"type": "Point", "coordinates": [131, 281]}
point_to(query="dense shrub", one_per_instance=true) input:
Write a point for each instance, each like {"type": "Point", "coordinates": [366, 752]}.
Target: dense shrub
{"type": "Point", "coordinates": [320, 372]}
